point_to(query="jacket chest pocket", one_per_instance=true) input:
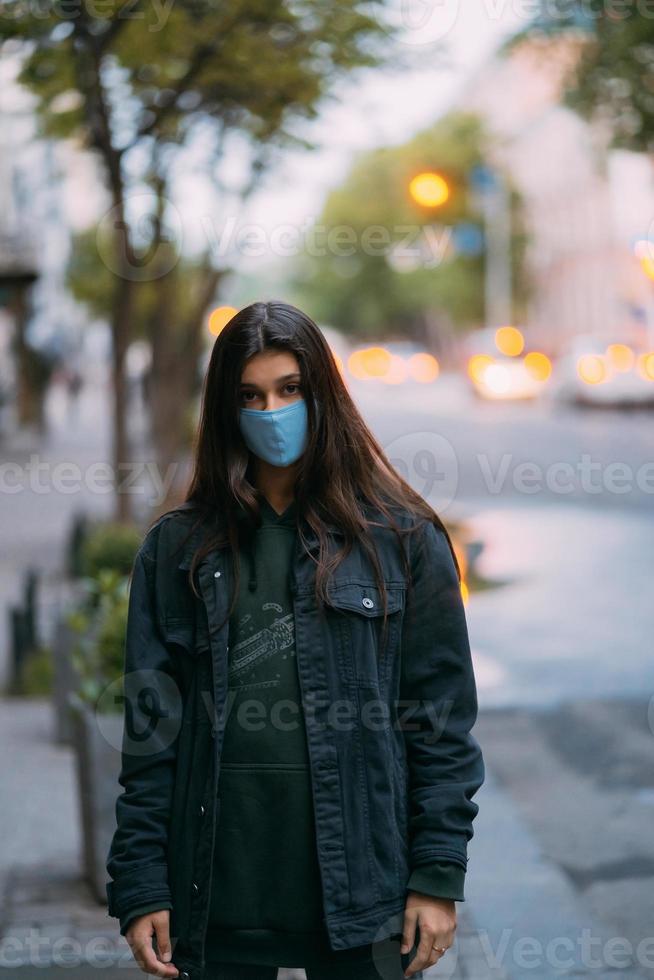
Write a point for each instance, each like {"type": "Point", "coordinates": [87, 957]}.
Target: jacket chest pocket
{"type": "Point", "coordinates": [181, 633]}
{"type": "Point", "coordinates": [190, 631]}
{"type": "Point", "coordinates": [356, 616]}
{"type": "Point", "coordinates": [188, 637]}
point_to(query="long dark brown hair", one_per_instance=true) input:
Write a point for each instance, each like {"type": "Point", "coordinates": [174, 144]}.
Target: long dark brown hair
{"type": "Point", "coordinates": [342, 471]}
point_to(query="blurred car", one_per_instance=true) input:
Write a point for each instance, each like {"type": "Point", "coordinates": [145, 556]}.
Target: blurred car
{"type": "Point", "coordinates": [595, 372]}
{"type": "Point", "coordinates": [393, 362]}
{"type": "Point", "coordinates": [499, 369]}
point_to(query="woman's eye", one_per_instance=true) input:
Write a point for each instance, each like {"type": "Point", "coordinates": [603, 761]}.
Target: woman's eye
{"type": "Point", "coordinates": [251, 396]}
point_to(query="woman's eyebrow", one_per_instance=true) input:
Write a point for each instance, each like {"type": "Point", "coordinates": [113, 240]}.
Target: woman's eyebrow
{"type": "Point", "coordinates": [284, 377]}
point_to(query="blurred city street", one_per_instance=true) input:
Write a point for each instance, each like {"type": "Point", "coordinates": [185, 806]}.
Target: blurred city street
{"type": "Point", "coordinates": [456, 201]}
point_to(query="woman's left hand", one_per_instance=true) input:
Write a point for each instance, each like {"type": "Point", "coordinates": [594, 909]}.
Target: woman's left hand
{"type": "Point", "coordinates": [436, 919]}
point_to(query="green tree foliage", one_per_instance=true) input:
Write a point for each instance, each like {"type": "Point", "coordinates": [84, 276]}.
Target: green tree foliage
{"type": "Point", "coordinates": [613, 79]}
{"type": "Point", "coordinates": [141, 82]}
{"type": "Point", "coordinates": [369, 295]}
{"type": "Point", "coordinates": [99, 621]}
{"type": "Point", "coordinates": [126, 71]}
{"type": "Point", "coordinates": [91, 282]}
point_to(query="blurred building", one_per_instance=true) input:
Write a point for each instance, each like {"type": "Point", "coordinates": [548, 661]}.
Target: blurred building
{"type": "Point", "coordinates": [585, 205]}
{"type": "Point", "coordinates": [48, 189]}
{"type": "Point", "coordinates": [18, 273]}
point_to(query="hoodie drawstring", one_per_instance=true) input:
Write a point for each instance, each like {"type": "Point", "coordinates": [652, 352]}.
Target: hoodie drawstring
{"type": "Point", "coordinates": [252, 544]}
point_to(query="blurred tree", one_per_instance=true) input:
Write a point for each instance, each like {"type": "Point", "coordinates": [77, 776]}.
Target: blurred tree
{"type": "Point", "coordinates": [168, 312]}
{"type": "Point", "coordinates": [612, 78]}
{"type": "Point", "coordinates": [140, 83]}
{"type": "Point", "coordinates": [381, 264]}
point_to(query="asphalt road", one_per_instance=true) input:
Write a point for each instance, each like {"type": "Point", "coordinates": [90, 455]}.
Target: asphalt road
{"type": "Point", "coordinates": [457, 449]}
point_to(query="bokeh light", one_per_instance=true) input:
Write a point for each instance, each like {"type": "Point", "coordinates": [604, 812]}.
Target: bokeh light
{"type": "Point", "coordinates": [592, 369]}
{"type": "Point", "coordinates": [621, 357]}
{"type": "Point", "coordinates": [423, 367]}
{"type": "Point", "coordinates": [509, 341]}
{"type": "Point", "coordinates": [429, 190]}
{"type": "Point", "coordinates": [645, 365]}
{"type": "Point", "coordinates": [478, 364]}
{"type": "Point", "coordinates": [220, 317]}
{"type": "Point", "coordinates": [538, 365]}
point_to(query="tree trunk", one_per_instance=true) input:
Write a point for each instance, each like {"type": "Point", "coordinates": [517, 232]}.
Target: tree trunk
{"type": "Point", "coordinates": [120, 329]}
{"type": "Point", "coordinates": [176, 350]}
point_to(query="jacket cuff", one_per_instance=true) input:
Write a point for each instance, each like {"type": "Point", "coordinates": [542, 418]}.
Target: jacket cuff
{"type": "Point", "coordinates": [140, 886]}
{"type": "Point", "coordinates": [442, 879]}
{"type": "Point", "coordinates": [141, 910]}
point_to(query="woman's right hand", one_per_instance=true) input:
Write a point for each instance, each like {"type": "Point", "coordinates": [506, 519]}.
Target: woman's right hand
{"type": "Point", "coordinates": [139, 936]}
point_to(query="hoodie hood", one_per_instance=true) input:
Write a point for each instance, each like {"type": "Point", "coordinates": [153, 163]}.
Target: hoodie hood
{"type": "Point", "coordinates": [269, 516]}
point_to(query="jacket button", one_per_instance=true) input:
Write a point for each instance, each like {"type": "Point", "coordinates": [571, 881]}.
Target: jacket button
{"type": "Point", "coordinates": [202, 811]}
{"type": "Point", "coordinates": [184, 975]}
{"type": "Point", "coordinates": [368, 603]}
{"type": "Point", "coordinates": [195, 886]}
{"type": "Point", "coordinates": [216, 574]}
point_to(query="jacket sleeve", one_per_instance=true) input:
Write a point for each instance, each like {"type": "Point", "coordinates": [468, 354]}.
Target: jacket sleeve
{"type": "Point", "coordinates": [438, 708]}
{"type": "Point", "coordinates": [442, 879]}
{"type": "Point", "coordinates": [152, 710]}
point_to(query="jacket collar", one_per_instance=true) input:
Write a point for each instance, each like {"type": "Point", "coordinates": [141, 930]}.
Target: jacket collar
{"type": "Point", "coordinates": [193, 541]}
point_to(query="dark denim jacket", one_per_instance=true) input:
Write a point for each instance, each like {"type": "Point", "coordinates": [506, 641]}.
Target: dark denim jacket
{"type": "Point", "coordinates": [394, 765]}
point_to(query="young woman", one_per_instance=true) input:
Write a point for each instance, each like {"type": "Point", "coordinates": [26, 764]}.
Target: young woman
{"type": "Point", "coordinates": [338, 836]}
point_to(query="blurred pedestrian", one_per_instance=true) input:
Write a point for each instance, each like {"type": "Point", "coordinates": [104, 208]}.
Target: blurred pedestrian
{"type": "Point", "coordinates": [74, 383]}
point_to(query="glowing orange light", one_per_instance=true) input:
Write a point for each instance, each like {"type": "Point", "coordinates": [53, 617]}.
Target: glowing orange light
{"type": "Point", "coordinates": [646, 365]}
{"type": "Point", "coordinates": [461, 558]}
{"type": "Point", "coordinates": [538, 365]}
{"type": "Point", "coordinates": [355, 365]}
{"type": "Point", "coordinates": [220, 317]}
{"type": "Point", "coordinates": [591, 369]}
{"type": "Point", "coordinates": [465, 592]}
{"type": "Point", "coordinates": [647, 265]}
{"type": "Point", "coordinates": [429, 189]}
{"type": "Point", "coordinates": [369, 362]}
{"type": "Point", "coordinates": [645, 255]}
{"type": "Point", "coordinates": [478, 364]}
{"type": "Point", "coordinates": [620, 356]}
{"type": "Point", "coordinates": [509, 341]}
{"type": "Point", "coordinates": [423, 367]}
{"type": "Point", "coordinates": [377, 361]}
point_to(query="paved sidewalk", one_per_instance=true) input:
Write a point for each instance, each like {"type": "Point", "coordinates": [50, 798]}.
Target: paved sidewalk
{"type": "Point", "coordinates": [529, 920]}
{"type": "Point", "coordinates": [48, 917]}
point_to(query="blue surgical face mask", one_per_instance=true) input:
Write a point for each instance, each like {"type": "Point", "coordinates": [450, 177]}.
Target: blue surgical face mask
{"type": "Point", "coordinates": [278, 435]}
